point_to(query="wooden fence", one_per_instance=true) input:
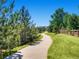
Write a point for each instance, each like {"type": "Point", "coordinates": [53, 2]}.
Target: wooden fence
{"type": "Point", "coordinates": [71, 32]}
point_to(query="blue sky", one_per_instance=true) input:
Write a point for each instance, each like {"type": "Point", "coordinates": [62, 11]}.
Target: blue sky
{"type": "Point", "coordinates": [40, 10]}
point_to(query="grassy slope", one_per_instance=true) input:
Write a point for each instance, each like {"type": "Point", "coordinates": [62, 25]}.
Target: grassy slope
{"type": "Point", "coordinates": [64, 47]}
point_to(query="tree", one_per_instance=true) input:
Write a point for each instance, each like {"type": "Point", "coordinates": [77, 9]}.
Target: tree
{"type": "Point", "coordinates": [57, 20]}
{"type": "Point", "coordinates": [74, 22]}
{"type": "Point", "coordinates": [16, 28]}
{"type": "Point", "coordinates": [42, 29]}
{"type": "Point", "coordinates": [67, 21]}
{"type": "Point", "coordinates": [28, 33]}
{"type": "Point", "coordinates": [71, 22]}
{"type": "Point", "coordinates": [5, 37]}
{"type": "Point", "coordinates": [63, 20]}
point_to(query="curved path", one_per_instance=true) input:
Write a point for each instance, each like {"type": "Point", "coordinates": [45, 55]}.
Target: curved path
{"type": "Point", "coordinates": [38, 51]}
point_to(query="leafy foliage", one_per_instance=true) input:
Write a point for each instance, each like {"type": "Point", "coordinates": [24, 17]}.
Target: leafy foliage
{"type": "Point", "coordinates": [57, 21]}
{"type": "Point", "coordinates": [42, 29]}
{"type": "Point", "coordinates": [63, 20]}
{"type": "Point", "coordinates": [16, 28]}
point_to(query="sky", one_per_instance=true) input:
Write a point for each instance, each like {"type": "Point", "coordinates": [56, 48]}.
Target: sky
{"type": "Point", "coordinates": [40, 10]}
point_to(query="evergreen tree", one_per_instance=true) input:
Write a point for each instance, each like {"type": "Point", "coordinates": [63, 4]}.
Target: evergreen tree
{"type": "Point", "coordinates": [57, 20]}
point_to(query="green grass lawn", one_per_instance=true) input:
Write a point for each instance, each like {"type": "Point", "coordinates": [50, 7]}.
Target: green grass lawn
{"type": "Point", "coordinates": [63, 47]}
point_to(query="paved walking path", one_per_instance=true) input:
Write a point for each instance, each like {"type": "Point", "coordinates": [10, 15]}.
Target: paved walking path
{"type": "Point", "coordinates": [38, 51]}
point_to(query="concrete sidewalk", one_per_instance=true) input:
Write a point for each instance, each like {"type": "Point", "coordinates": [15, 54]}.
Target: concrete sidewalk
{"type": "Point", "coordinates": [37, 51]}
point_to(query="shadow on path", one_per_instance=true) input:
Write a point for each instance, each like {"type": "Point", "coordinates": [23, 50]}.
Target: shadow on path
{"type": "Point", "coordinates": [18, 55]}
{"type": "Point", "coordinates": [35, 43]}
{"type": "Point", "coordinates": [15, 56]}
